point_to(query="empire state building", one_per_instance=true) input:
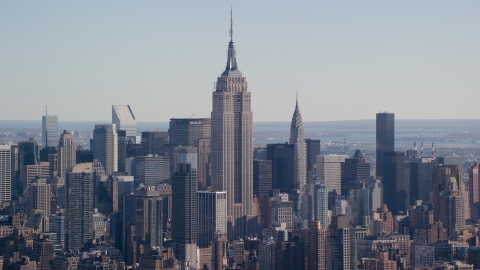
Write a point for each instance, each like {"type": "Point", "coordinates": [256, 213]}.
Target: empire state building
{"type": "Point", "coordinates": [231, 144]}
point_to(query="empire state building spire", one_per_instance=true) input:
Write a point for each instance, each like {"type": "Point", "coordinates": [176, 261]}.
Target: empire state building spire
{"type": "Point", "coordinates": [231, 70]}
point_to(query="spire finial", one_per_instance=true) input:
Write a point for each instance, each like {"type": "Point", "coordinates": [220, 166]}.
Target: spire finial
{"type": "Point", "coordinates": [46, 110]}
{"type": "Point", "coordinates": [297, 96]}
{"type": "Point", "coordinates": [231, 23]}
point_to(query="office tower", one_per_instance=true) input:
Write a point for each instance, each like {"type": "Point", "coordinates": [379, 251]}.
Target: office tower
{"type": "Point", "coordinates": [329, 170]}
{"type": "Point", "coordinates": [316, 247]}
{"type": "Point", "coordinates": [262, 178]}
{"type": "Point", "coordinates": [184, 214]}
{"type": "Point", "coordinates": [473, 183]}
{"type": "Point", "coordinates": [290, 255]}
{"type": "Point", "coordinates": [266, 254]}
{"type": "Point", "coordinates": [39, 197]}
{"type": "Point", "coordinates": [318, 201]}
{"type": "Point", "coordinates": [66, 153]}
{"type": "Point", "coordinates": [341, 245]}
{"type": "Point", "coordinates": [450, 199]}
{"type": "Point", "coordinates": [79, 206]}
{"type": "Point", "coordinates": [282, 157]}
{"type": "Point", "coordinates": [149, 221]}
{"type": "Point", "coordinates": [122, 150]}
{"type": "Point", "coordinates": [104, 147]}
{"type": "Point", "coordinates": [442, 175]}
{"type": "Point", "coordinates": [42, 169]}
{"type": "Point", "coordinates": [152, 171]}
{"type": "Point", "coordinates": [282, 210]}
{"type": "Point", "coordinates": [212, 215]}
{"type": "Point", "coordinates": [123, 118]}
{"type": "Point", "coordinates": [385, 138]}
{"type": "Point", "coordinates": [42, 253]}
{"type": "Point", "coordinates": [49, 130]}
{"type": "Point", "coordinates": [57, 226]}
{"type": "Point", "coordinates": [359, 200]}
{"type": "Point", "coordinates": [154, 143]}
{"type": "Point", "coordinates": [27, 155]}
{"type": "Point", "coordinates": [313, 150]}
{"type": "Point", "coordinates": [5, 173]}
{"type": "Point", "coordinates": [46, 151]}
{"type": "Point", "coordinates": [354, 169]}
{"type": "Point", "coordinates": [231, 143]}
{"type": "Point", "coordinates": [420, 178]}
{"type": "Point", "coordinates": [395, 188]}
{"type": "Point", "coordinates": [300, 151]}
{"type": "Point", "coordinates": [203, 163]}
{"type": "Point", "coordinates": [185, 131]}
{"type": "Point", "coordinates": [185, 155]}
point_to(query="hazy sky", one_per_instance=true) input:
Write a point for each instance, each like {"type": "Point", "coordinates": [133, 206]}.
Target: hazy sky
{"type": "Point", "coordinates": [348, 59]}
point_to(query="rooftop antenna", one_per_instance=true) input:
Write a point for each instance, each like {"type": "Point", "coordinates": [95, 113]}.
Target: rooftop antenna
{"type": "Point", "coordinates": [46, 110]}
{"type": "Point", "coordinates": [231, 23]}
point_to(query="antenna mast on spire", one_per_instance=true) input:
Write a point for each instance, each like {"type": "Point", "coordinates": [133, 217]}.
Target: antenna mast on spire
{"type": "Point", "coordinates": [231, 24]}
{"type": "Point", "coordinates": [46, 110]}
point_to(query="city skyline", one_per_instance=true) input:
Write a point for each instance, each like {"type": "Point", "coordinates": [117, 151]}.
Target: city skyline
{"type": "Point", "coordinates": [122, 55]}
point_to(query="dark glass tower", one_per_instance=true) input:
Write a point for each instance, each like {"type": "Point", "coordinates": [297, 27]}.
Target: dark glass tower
{"type": "Point", "coordinates": [262, 178]}
{"type": "Point", "coordinates": [122, 150]}
{"type": "Point", "coordinates": [184, 213]}
{"type": "Point", "coordinates": [355, 169]}
{"type": "Point", "coordinates": [385, 138]}
{"type": "Point", "coordinates": [27, 155]}
{"type": "Point", "coordinates": [154, 143]}
{"type": "Point", "coordinates": [395, 188]}
{"type": "Point", "coordinates": [313, 150]}
{"type": "Point", "coordinates": [282, 156]}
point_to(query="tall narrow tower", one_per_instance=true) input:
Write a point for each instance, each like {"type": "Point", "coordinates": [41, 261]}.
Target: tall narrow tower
{"type": "Point", "coordinates": [300, 152]}
{"type": "Point", "coordinates": [66, 153]}
{"type": "Point", "coordinates": [231, 144]}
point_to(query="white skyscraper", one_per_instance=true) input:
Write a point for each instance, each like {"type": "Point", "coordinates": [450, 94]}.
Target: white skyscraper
{"type": "Point", "coordinates": [231, 144]}
{"type": "Point", "coordinates": [49, 130]}
{"type": "Point", "coordinates": [5, 173]}
{"type": "Point", "coordinates": [300, 158]}
{"type": "Point", "coordinates": [66, 153]}
{"type": "Point", "coordinates": [329, 170]}
{"type": "Point", "coordinates": [123, 118]}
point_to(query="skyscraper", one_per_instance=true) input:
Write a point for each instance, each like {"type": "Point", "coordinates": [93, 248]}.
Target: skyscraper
{"type": "Point", "coordinates": [5, 173]}
{"type": "Point", "coordinates": [212, 215]}
{"type": "Point", "coordinates": [152, 171]}
{"type": "Point", "coordinates": [231, 144]}
{"type": "Point", "coordinates": [282, 157]}
{"type": "Point", "coordinates": [79, 206]}
{"type": "Point", "coordinates": [39, 198]}
{"type": "Point", "coordinates": [355, 169]}
{"type": "Point", "coordinates": [262, 178]}
{"type": "Point", "coordinates": [154, 143]}
{"type": "Point", "coordinates": [104, 147]}
{"type": "Point", "coordinates": [300, 154]}
{"type": "Point", "coordinates": [185, 131]}
{"type": "Point", "coordinates": [122, 150]}
{"type": "Point", "coordinates": [329, 170]}
{"type": "Point", "coordinates": [313, 150]}
{"type": "Point", "coordinates": [27, 155]}
{"type": "Point", "coordinates": [49, 130]}
{"type": "Point", "coordinates": [123, 118]}
{"type": "Point", "coordinates": [316, 247]}
{"type": "Point", "coordinates": [395, 188]}
{"type": "Point", "coordinates": [385, 138]}
{"type": "Point", "coordinates": [184, 214]}
{"type": "Point", "coordinates": [342, 247]}
{"type": "Point", "coordinates": [66, 153]}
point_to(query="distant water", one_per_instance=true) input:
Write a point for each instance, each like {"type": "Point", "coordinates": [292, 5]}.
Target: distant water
{"type": "Point", "coordinates": [354, 131]}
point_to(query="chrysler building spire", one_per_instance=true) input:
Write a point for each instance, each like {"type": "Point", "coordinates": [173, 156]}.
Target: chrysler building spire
{"type": "Point", "coordinates": [296, 128]}
{"type": "Point", "coordinates": [300, 148]}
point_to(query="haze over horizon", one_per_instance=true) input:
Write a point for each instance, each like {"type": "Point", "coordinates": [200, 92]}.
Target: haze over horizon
{"type": "Point", "coordinates": [348, 60]}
